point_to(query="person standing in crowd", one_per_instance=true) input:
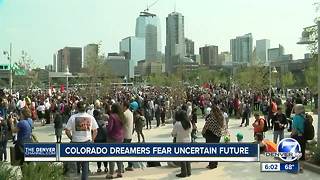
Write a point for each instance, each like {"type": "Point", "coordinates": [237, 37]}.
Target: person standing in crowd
{"type": "Point", "coordinates": [194, 121]}
{"type": "Point", "coordinates": [24, 131]}
{"type": "Point", "coordinates": [148, 114]}
{"type": "Point", "coordinates": [289, 107]}
{"type": "Point", "coordinates": [41, 113]}
{"type": "Point", "coordinates": [272, 111]}
{"type": "Point", "coordinates": [157, 113]}
{"type": "Point", "coordinates": [163, 115]}
{"type": "Point", "coordinates": [3, 139]}
{"type": "Point", "coordinates": [128, 127]}
{"type": "Point", "coordinates": [298, 129]}
{"type": "Point", "coordinates": [212, 130]}
{"type": "Point", "coordinates": [47, 111]}
{"type": "Point", "coordinates": [258, 125]}
{"type": "Point", "coordinates": [182, 133]}
{"type": "Point", "coordinates": [265, 108]}
{"type": "Point", "coordinates": [226, 118]}
{"type": "Point", "coordinates": [279, 122]}
{"type": "Point", "coordinates": [101, 136]}
{"type": "Point", "coordinates": [139, 123]}
{"type": "Point", "coordinates": [82, 128]}
{"type": "Point", "coordinates": [115, 134]}
{"type": "Point", "coordinates": [245, 114]}
{"type": "Point", "coordinates": [58, 124]}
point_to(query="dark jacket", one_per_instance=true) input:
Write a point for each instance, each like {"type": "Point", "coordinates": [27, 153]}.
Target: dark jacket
{"type": "Point", "coordinates": [277, 120]}
{"type": "Point", "coordinates": [58, 121]}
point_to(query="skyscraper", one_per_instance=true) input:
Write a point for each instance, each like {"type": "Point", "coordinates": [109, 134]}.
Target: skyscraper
{"type": "Point", "coordinates": [275, 54]}
{"type": "Point", "coordinates": [262, 47]}
{"type": "Point", "coordinates": [241, 49]}
{"type": "Point", "coordinates": [133, 48]}
{"type": "Point", "coordinates": [175, 41]}
{"type": "Point", "coordinates": [209, 55]}
{"type": "Point", "coordinates": [70, 57]}
{"type": "Point", "coordinates": [54, 63]}
{"type": "Point", "coordinates": [190, 49]}
{"type": "Point", "coordinates": [148, 27]}
{"type": "Point", "coordinates": [90, 51]}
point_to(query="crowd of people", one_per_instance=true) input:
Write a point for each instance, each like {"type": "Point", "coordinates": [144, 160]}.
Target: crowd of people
{"type": "Point", "coordinates": [116, 116]}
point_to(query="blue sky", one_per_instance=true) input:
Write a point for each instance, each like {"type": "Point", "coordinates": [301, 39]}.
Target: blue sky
{"type": "Point", "coordinates": [41, 27]}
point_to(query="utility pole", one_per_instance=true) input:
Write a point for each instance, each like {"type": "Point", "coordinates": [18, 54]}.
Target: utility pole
{"type": "Point", "coordinates": [318, 89]}
{"type": "Point", "coordinates": [10, 59]}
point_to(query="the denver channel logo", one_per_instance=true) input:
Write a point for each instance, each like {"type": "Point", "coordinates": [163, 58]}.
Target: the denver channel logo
{"type": "Point", "coordinates": [288, 150]}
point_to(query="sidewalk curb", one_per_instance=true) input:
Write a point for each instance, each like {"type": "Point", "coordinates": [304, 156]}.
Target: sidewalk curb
{"type": "Point", "coordinates": [311, 167]}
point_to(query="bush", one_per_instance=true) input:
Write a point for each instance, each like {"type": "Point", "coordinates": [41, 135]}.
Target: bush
{"type": "Point", "coordinates": [7, 171]}
{"type": "Point", "coordinates": [42, 171]}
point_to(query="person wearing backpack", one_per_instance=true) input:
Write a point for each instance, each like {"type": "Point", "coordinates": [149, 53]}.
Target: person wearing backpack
{"type": "Point", "coordinates": [299, 129]}
{"type": "Point", "coordinates": [258, 125]}
{"type": "Point", "coordinates": [139, 123]}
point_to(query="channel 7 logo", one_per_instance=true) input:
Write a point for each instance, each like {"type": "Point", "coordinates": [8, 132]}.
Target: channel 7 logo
{"type": "Point", "coordinates": [288, 150]}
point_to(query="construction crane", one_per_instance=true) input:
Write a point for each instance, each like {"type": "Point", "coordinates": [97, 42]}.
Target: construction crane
{"type": "Point", "coordinates": [149, 6]}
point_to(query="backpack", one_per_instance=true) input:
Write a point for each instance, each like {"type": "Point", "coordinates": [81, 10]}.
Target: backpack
{"type": "Point", "coordinates": [308, 127]}
{"type": "Point", "coordinates": [142, 121]}
{"type": "Point", "coordinates": [265, 125]}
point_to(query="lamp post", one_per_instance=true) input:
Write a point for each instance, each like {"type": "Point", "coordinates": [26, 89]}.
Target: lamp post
{"type": "Point", "coordinates": [9, 54]}
{"type": "Point", "coordinates": [305, 39]}
{"type": "Point", "coordinates": [67, 74]}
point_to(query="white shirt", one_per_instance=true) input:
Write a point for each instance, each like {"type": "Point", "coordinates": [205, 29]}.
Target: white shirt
{"type": "Point", "coordinates": [182, 135]}
{"type": "Point", "coordinates": [189, 111]}
{"type": "Point", "coordinates": [41, 108]}
{"type": "Point", "coordinates": [81, 125]}
{"type": "Point", "coordinates": [128, 127]}
{"type": "Point", "coordinates": [225, 117]}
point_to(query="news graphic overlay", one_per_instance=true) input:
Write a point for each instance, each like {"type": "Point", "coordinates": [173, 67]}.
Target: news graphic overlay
{"type": "Point", "coordinates": [288, 150]}
{"type": "Point", "coordinates": [40, 152]}
{"type": "Point", "coordinates": [154, 152]}
{"type": "Point", "coordinates": [279, 167]}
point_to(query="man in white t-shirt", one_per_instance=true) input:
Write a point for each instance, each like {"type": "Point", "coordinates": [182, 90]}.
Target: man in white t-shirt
{"type": "Point", "coordinates": [79, 128]}
{"type": "Point", "coordinates": [128, 129]}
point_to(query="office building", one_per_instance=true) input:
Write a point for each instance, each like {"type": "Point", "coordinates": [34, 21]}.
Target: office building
{"type": "Point", "coordinates": [70, 57]}
{"type": "Point", "coordinates": [175, 41]}
{"type": "Point", "coordinates": [146, 68]}
{"type": "Point", "coordinates": [241, 49]}
{"type": "Point", "coordinates": [262, 47]}
{"type": "Point", "coordinates": [119, 65]}
{"type": "Point", "coordinates": [275, 54]}
{"type": "Point", "coordinates": [190, 49]}
{"type": "Point", "coordinates": [90, 51]}
{"type": "Point", "coordinates": [54, 62]}
{"type": "Point", "coordinates": [209, 55]}
{"type": "Point", "coordinates": [148, 27]}
{"type": "Point", "coordinates": [225, 58]}
{"type": "Point", "coordinates": [133, 48]}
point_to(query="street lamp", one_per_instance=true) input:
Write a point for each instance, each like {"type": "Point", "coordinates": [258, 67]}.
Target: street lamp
{"type": "Point", "coordinates": [9, 54]}
{"type": "Point", "coordinates": [306, 39]}
{"type": "Point", "coordinates": [67, 74]}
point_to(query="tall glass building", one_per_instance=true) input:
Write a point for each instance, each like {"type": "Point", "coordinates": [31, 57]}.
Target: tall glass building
{"type": "Point", "coordinates": [148, 27]}
{"type": "Point", "coordinates": [133, 48]}
{"type": "Point", "coordinates": [241, 49]}
{"type": "Point", "coordinates": [175, 41]}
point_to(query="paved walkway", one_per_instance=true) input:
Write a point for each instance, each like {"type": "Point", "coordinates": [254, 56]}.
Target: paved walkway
{"type": "Point", "coordinates": [225, 171]}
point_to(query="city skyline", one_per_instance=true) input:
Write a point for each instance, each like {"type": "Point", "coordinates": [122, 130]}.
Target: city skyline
{"type": "Point", "coordinates": [42, 28]}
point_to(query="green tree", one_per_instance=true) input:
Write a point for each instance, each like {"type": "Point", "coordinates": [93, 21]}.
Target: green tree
{"type": "Point", "coordinates": [287, 80]}
{"type": "Point", "coordinates": [311, 74]}
{"type": "Point", "coordinates": [99, 75]}
{"type": "Point", "coordinates": [255, 77]}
